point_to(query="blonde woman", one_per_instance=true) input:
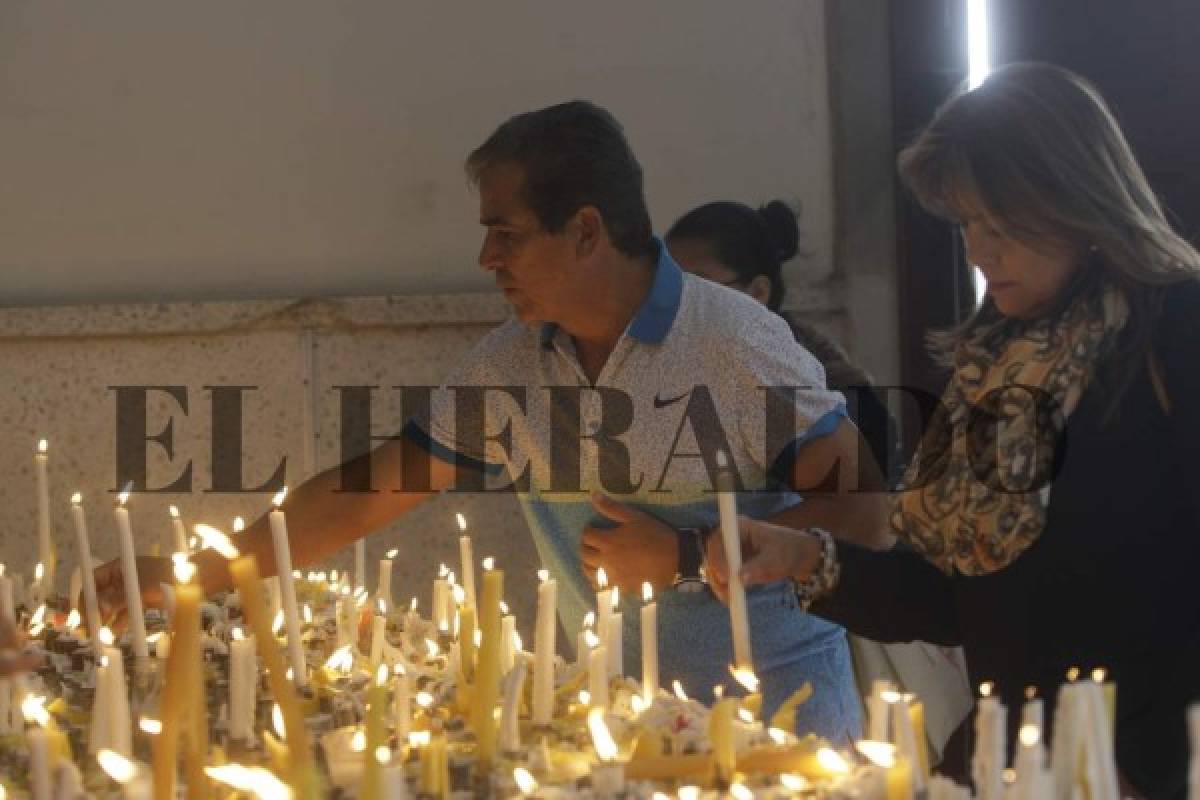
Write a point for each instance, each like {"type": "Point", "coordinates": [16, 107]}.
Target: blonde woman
{"type": "Point", "coordinates": [1068, 534]}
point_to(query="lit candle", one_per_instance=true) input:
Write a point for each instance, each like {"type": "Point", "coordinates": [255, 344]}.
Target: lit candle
{"type": "Point", "coordinates": [649, 644]}
{"type": "Point", "coordinates": [1193, 721]}
{"type": "Point", "coordinates": [738, 616]}
{"type": "Point", "coordinates": [243, 685]}
{"type": "Point", "coordinates": [38, 741]}
{"type": "Point", "coordinates": [180, 682]}
{"type": "Point", "coordinates": [287, 588]}
{"type": "Point", "coordinates": [487, 673]}
{"type": "Point", "coordinates": [466, 641]}
{"type": "Point", "coordinates": [877, 712]}
{"type": "Point", "coordinates": [304, 779]}
{"type": "Point", "coordinates": [135, 784]}
{"type": "Point", "coordinates": [129, 572]}
{"type": "Point", "coordinates": [179, 532]}
{"type": "Point", "coordinates": [376, 735]}
{"type": "Point", "coordinates": [613, 638]}
{"type": "Point", "coordinates": [1109, 691]}
{"type": "Point", "coordinates": [1033, 780]}
{"type": "Point", "coordinates": [604, 606]}
{"type": "Point", "coordinates": [543, 649]}
{"type": "Point", "coordinates": [441, 588]}
{"type": "Point", "coordinates": [383, 591]}
{"type": "Point", "coordinates": [111, 723]}
{"type": "Point", "coordinates": [90, 603]}
{"type": "Point", "coordinates": [467, 556]}
{"type": "Point", "coordinates": [608, 775]}
{"type": "Point", "coordinates": [905, 737]}
{"type": "Point", "coordinates": [597, 671]}
{"type": "Point", "coordinates": [1100, 760]}
{"type": "Point", "coordinates": [987, 764]}
{"type": "Point", "coordinates": [378, 639]}
{"type": "Point", "coordinates": [508, 652]}
{"type": "Point", "coordinates": [1033, 713]}
{"type": "Point", "coordinates": [45, 546]}
{"type": "Point", "coordinates": [720, 734]}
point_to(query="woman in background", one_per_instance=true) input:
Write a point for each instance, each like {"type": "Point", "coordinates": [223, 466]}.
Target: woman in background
{"type": "Point", "coordinates": [1069, 535]}
{"type": "Point", "coordinates": [737, 246]}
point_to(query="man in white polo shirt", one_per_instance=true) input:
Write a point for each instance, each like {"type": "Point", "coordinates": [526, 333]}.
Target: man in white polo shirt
{"type": "Point", "coordinates": [621, 376]}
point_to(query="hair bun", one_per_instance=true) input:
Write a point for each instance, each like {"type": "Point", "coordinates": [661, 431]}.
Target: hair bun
{"type": "Point", "coordinates": [782, 227]}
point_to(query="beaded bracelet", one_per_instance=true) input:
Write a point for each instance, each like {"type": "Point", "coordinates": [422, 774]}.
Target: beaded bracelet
{"type": "Point", "coordinates": [824, 578]}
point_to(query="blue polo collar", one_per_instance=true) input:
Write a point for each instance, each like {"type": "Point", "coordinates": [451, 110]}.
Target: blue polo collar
{"type": "Point", "coordinates": [657, 313]}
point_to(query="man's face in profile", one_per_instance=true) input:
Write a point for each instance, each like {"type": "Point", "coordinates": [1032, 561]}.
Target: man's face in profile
{"type": "Point", "coordinates": [531, 266]}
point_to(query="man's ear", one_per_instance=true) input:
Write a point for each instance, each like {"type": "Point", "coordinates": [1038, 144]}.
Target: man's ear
{"type": "Point", "coordinates": [589, 232]}
{"type": "Point", "coordinates": [760, 288]}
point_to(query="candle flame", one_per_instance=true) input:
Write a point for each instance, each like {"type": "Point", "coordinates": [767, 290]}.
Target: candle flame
{"type": "Point", "coordinates": [239, 524]}
{"type": "Point", "coordinates": [616, 597]}
{"type": "Point", "coordinates": [601, 578]}
{"type": "Point", "coordinates": [395, 551]}
{"type": "Point", "coordinates": [308, 615]}
{"type": "Point", "coordinates": [39, 616]}
{"type": "Point", "coordinates": [525, 781]}
{"type": "Point", "coordinates": [585, 697]}
{"type": "Point", "coordinates": [1099, 674]}
{"type": "Point", "coordinates": [745, 716]}
{"type": "Point", "coordinates": [778, 735]}
{"type": "Point", "coordinates": [589, 619]}
{"type": "Point", "coordinates": [418, 738]}
{"type": "Point", "coordinates": [399, 669]}
{"type": "Point", "coordinates": [381, 675]}
{"type": "Point", "coordinates": [460, 595]}
{"type": "Point", "coordinates": [986, 688]}
{"type": "Point", "coordinates": [256, 780]}
{"type": "Point", "coordinates": [881, 754]}
{"type": "Point", "coordinates": [173, 511]}
{"type": "Point", "coordinates": [1029, 735]}
{"type": "Point", "coordinates": [689, 793]}
{"type": "Point", "coordinates": [543, 575]}
{"type": "Point", "coordinates": [489, 564]}
{"type": "Point", "coordinates": [1073, 674]}
{"type": "Point", "coordinates": [677, 687]}
{"type": "Point", "coordinates": [184, 569]}
{"type": "Point", "coordinates": [358, 742]}
{"type": "Point", "coordinates": [637, 704]}
{"type": "Point", "coordinates": [890, 696]}
{"type": "Point", "coordinates": [591, 639]}
{"type": "Point", "coordinates": [33, 708]}
{"type": "Point", "coordinates": [431, 647]}
{"type": "Point", "coordinates": [478, 637]}
{"type": "Point", "coordinates": [342, 659]}
{"type": "Point", "coordinates": [123, 497]}
{"type": "Point", "coordinates": [150, 726]}
{"type": "Point", "coordinates": [277, 722]}
{"type": "Point", "coordinates": [745, 677]}
{"type": "Point", "coordinates": [333, 576]}
{"type": "Point", "coordinates": [279, 497]}
{"type": "Point", "coordinates": [1009, 777]}
{"type": "Point", "coordinates": [383, 755]}
{"type": "Point", "coordinates": [237, 635]}
{"type": "Point", "coordinates": [105, 636]}
{"type": "Point", "coordinates": [647, 592]}
{"type": "Point", "coordinates": [1030, 692]}
{"type": "Point", "coordinates": [73, 619]}
{"type": "Point", "coordinates": [43, 446]}
{"type": "Point", "coordinates": [602, 740]}
{"type": "Point", "coordinates": [424, 699]}
{"type": "Point", "coordinates": [39, 571]}
{"type": "Point", "coordinates": [277, 623]}
{"type": "Point", "coordinates": [722, 460]}
{"type": "Point", "coordinates": [412, 605]}
{"type": "Point", "coordinates": [216, 539]}
{"type": "Point", "coordinates": [739, 792]}
{"type": "Point", "coordinates": [443, 570]}
{"type": "Point", "coordinates": [793, 783]}
{"type": "Point", "coordinates": [832, 762]}
{"type": "Point", "coordinates": [116, 766]}
{"type": "Point", "coordinates": [462, 521]}
{"type": "Point", "coordinates": [76, 498]}
{"type": "Point", "coordinates": [518, 645]}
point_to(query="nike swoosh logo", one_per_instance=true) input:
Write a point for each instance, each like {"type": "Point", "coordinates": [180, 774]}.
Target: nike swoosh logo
{"type": "Point", "coordinates": [660, 403]}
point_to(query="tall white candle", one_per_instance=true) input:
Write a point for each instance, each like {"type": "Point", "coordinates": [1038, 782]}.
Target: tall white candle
{"type": "Point", "coordinates": [543, 649]}
{"type": "Point", "coordinates": [378, 639]}
{"type": "Point", "coordinates": [90, 603]}
{"type": "Point", "coordinates": [604, 607]}
{"type": "Point", "coordinates": [512, 688]}
{"type": "Point", "coordinates": [906, 741]}
{"type": "Point", "coordinates": [441, 589]}
{"type": "Point", "coordinates": [383, 591]}
{"type": "Point", "coordinates": [730, 537]}
{"type": "Point", "coordinates": [987, 765]}
{"type": "Point", "coordinates": [7, 608]}
{"type": "Point", "coordinates": [649, 622]}
{"type": "Point", "coordinates": [243, 680]}
{"type": "Point", "coordinates": [287, 589]}
{"type": "Point", "coordinates": [466, 554]}
{"type": "Point", "coordinates": [597, 673]}
{"type": "Point", "coordinates": [402, 702]}
{"type": "Point", "coordinates": [878, 712]}
{"type": "Point", "coordinates": [45, 547]}
{"type": "Point", "coordinates": [615, 644]}
{"type": "Point", "coordinates": [111, 723]}
{"type": "Point", "coordinates": [39, 762]}
{"type": "Point", "coordinates": [508, 647]}
{"type": "Point", "coordinates": [129, 572]}
{"type": "Point", "coordinates": [179, 532]}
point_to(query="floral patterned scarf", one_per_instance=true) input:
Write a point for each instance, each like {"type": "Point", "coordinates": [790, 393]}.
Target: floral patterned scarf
{"type": "Point", "coordinates": [975, 495]}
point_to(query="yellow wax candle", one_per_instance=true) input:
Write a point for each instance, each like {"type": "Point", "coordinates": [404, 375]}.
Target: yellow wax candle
{"type": "Point", "coordinates": [466, 641]}
{"type": "Point", "coordinates": [486, 691]}
{"type": "Point", "coordinates": [435, 779]}
{"type": "Point", "coordinates": [185, 629]}
{"type": "Point", "coordinates": [303, 776]}
{"type": "Point", "coordinates": [916, 713]}
{"type": "Point", "coordinates": [900, 780]}
{"type": "Point", "coordinates": [376, 735]}
{"type": "Point", "coordinates": [720, 733]}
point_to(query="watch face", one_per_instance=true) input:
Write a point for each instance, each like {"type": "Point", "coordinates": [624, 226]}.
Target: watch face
{"type": "Point", "coordinates": [690, 586]}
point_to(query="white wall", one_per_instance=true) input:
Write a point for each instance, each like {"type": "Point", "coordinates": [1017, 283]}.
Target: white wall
{"type": "Point", "coordinates": [165, 149]}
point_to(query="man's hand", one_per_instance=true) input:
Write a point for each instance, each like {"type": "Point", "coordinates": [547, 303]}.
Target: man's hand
{"type": "Point", "coordinates": [110, 588]}
{"type": "Point", "coordinates": [769, 553]}
{"type": "Point", "coordinates": [640, 548]}
{"type": "Point", "coordinates": [12, 660]}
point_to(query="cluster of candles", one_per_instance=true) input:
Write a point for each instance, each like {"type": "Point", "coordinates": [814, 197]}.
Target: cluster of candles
{"type": "Point", "coordinates": [470, 644]}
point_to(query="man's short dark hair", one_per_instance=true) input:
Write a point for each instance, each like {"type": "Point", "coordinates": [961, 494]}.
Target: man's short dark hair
{"type": "Point", "coordinates": [573, 155]}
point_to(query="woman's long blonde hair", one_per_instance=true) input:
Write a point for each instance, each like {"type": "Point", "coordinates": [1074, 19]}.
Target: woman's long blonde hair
{"type": "Point", "coordinates": [1037, 149]}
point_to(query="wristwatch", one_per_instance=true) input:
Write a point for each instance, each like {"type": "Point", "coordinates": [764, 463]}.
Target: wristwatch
{"type": "Point", "coordinates": [689, 576]}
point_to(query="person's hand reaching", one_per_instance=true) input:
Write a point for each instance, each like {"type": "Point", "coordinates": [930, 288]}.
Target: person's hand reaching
{"type": "Point", "coordinates": [12, 658]}
{"type": "Point", "coordinates": [153, 571]}
{"type": "Point", "coordinates": [769, 553]}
